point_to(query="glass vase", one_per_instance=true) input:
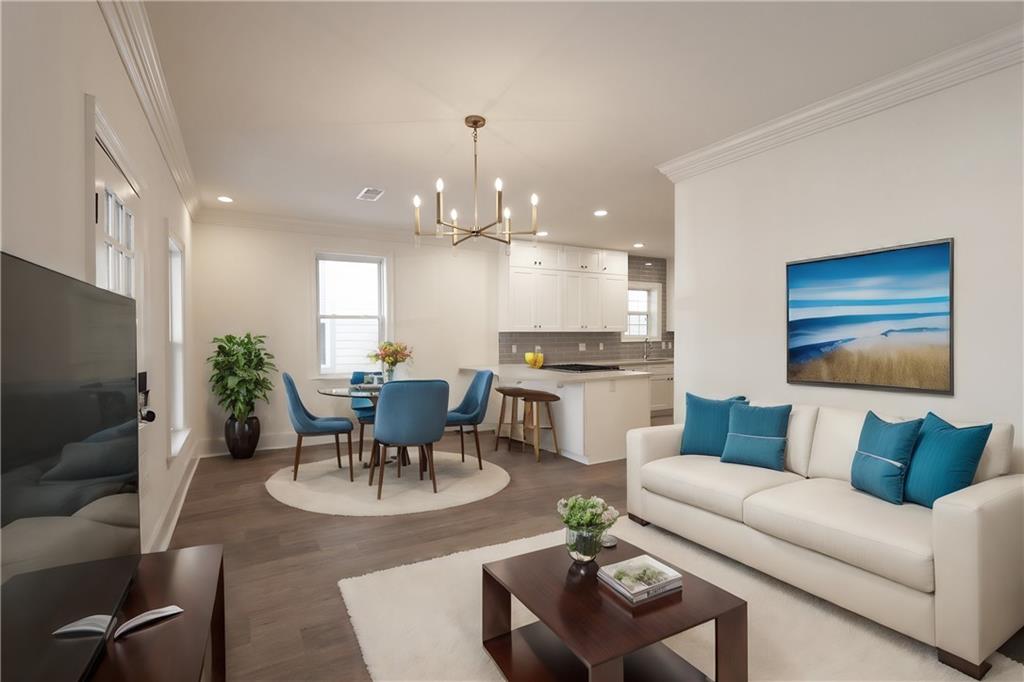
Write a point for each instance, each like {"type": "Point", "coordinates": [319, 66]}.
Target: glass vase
{"type": "Point", "coordinates": [584, 544]}
{"type": "Point", "coordinates": [389, 374]}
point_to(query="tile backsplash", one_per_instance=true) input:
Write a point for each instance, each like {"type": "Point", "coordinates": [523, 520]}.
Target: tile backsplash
{"type": "Point", "coordinates": [565, 346]}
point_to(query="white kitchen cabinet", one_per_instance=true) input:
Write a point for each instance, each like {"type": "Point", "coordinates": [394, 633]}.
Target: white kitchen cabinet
{"type": "Point", "coordinates": [661, 393]}
{"type": "Point", "coordinates": [578, 259]}
{"type": "Point", "coordinates": [547, 300]}
{"type": "Point", "coordinates": [520, 299]}
{"type": "Point", "coordinates": [615, 262]}
{"type": "Point", "coordinates": [614, 294]}
{"type": "Point", "coordinates": [539, 291]}
{"type": "Point", "coordinates": [544, 256]}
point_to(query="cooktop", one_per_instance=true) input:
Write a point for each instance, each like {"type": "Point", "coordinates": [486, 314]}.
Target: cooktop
{"type": "Point", "coordinates": [577, 367]}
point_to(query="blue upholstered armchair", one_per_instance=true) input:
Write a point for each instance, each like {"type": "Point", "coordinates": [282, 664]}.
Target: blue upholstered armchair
{"type": "Point", "coordinates": [472, 410]}
{"type": "Point", "coordinates": [409, 413]}
{"type": "Point", "coordinates": [363, 407]}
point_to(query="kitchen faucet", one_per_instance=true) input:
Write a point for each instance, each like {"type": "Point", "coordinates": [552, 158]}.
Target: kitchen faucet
{"type": "Point", "coordinates": [647, 342]}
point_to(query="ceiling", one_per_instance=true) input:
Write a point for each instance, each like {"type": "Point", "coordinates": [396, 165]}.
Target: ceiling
{"type": "Point", "coordinates": [293, 108]}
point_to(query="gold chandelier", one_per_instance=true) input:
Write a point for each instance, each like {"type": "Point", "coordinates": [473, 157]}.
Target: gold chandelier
{"type": "Point", "coordinates": [503, 215]}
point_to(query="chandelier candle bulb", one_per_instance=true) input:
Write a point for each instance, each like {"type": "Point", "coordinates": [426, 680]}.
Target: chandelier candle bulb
{"type": "Point", "coordinates": [534, 200]}
{"type": "Point", "coordinates": [416, 212]}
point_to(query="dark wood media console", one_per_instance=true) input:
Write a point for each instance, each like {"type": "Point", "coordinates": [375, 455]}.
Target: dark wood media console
{"type": "Point", "coordinates": [181, 647]}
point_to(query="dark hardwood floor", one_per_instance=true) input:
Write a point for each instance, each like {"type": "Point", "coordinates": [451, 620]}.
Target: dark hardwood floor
{"type": "Point", "coordinates": [285, 615]}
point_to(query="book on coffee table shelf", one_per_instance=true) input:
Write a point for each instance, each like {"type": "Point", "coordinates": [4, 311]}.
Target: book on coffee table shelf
{"type": "Point", "coordinates": [640, 579]}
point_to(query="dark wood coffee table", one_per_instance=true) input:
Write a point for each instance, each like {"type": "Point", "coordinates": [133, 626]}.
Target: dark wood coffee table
{"type": "Point", "coordinates": [587, 633]}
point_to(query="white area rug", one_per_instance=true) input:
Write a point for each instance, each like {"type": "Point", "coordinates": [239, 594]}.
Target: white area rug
{"type": "Point", "coordinates": [430, 627]}
{"type": "Point", "coordinates": [324, 488]}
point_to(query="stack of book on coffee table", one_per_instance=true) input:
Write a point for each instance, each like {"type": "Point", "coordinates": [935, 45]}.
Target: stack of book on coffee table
{"type": "Point", "coordinates": [640, 579]}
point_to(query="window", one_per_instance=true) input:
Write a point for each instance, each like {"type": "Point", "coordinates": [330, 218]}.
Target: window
{"type": "Point", "coordinates": [643, 312]}
{"type": "Point", "coordinates": [351, 306]}
{"type": "Point", "coordinates": [115, 255]}
{"type": "Point", "coordinates": [176, 327]}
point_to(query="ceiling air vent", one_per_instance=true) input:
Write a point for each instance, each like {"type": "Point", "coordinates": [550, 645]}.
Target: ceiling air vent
{"type": "Point", "coordinates": [370, 194]}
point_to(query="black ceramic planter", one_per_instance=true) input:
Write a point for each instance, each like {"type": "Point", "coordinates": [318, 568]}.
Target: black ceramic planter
{"type": "Point", "coordinates": [242, 437]}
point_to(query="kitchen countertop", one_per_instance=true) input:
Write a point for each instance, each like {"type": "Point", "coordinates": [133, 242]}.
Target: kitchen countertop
{"type": "Point", "coordinates": [523, 372]}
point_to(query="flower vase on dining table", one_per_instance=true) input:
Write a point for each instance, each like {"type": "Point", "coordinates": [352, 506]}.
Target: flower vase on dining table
{"type": "Point", "coordinates": [389, 374]}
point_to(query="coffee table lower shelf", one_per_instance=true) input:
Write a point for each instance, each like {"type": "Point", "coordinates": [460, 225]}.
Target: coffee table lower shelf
{"type": "Point", "coordinates": [533, 653]}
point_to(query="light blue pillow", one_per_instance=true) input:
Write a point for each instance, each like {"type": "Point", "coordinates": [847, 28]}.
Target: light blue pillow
{"type": "Point", "coordinates": [883, 456]}
{"type": "Point", "coordinates": [945, 459]}
{"type": "Point", "coordinates": [707, 425]}
{"type": "Point", "coordinates": [757, 436]}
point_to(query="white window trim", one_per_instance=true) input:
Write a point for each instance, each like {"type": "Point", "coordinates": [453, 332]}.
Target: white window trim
{"type": "Point", "coordinates": [385, 283]}
{"type": "Point", "coordinates": [654, 315]}
{"type": "Point", "coordinates": [178, 435]}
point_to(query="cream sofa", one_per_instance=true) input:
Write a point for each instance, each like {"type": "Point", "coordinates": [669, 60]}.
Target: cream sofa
{"type": "Point", "coordinates": [951, 576]}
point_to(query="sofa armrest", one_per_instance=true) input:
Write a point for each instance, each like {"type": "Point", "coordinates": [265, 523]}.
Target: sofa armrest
{"type": "Point", "coordinates": [643, 446]}
{"type": "Point", "coordinates": [978, 536]}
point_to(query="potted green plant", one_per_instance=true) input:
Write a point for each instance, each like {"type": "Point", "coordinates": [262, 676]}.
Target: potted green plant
{"type": "Point", "coordinates": [240, 376]}
{"type": "Point", "coordinates": [586, 519]}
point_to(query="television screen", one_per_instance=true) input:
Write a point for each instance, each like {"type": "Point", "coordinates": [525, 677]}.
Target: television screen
{"type": "Point", "coordinates": [69, 465]}
{"type": "Point", "coordinates": [879, 319]}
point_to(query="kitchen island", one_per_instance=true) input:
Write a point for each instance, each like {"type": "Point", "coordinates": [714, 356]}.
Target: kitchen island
{"type": "Point", "coordinates": [594, 412]}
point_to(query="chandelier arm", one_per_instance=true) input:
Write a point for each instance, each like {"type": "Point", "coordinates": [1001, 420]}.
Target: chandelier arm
{"type": "Point", "coordinates": [492, 237]}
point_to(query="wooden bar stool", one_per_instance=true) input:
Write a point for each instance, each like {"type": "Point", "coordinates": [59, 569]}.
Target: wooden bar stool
{"type": "Point", "coordinates": [532, 400]}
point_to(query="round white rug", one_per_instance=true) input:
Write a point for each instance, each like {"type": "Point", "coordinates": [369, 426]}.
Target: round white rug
{"type": "Point", "coordinates": [325, 489]}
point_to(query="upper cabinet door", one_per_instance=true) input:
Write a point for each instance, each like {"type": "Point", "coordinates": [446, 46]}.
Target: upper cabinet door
{"type": "Point", "coordinates": [547, 300]}
{"type": "Point", "coordinates": [548, 256]}
{"type": "Point", "coordinates": [590, 260]}
{"type": "Point", "coordinates": [615, 262]}
{"type": "Point", "coordinates": [522, 255]}
{"type": "Point", "coordinates": [590, 302]}
{"type": "Point", "coordinates": [572, 310]}
{"type": "Point", "coordinates": [520, 299]}
{"type": "Point", "coordinates": [613, 303]}
{"type": "Point", "coordinates": [571, 258]}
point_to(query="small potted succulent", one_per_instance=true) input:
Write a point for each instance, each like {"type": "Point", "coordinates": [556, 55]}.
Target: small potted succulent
{"type": "Point", "coordinates": [391, 354]}
{"type": "Point", "coordinates": [586, 519]}
{"type": "Point", "coordinates": [240, 376]}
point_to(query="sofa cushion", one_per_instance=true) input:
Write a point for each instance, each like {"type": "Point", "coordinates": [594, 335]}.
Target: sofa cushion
{"type": "Point", "coordinates": [883, 456]}
{"type": "Point", "coordinates": [830, 517]}
{"type": "Point", "coordinates": [836, 435]}
{"type": "Point", "coordinates": [757, 436]}
{"type": "Point", "coordinates": [708, 483]}
{"type": "Point", "coordinates": [707, 424]}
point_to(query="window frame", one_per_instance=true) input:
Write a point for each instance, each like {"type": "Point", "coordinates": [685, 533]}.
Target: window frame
{"type": "Point", "coordinates": [654, 317]}
{"type": "Point", "coordinates": [383, 305]}
{"type": "Point", "coordinates": [125, 251]}
{"type": "Point", "coordinates": [177, 372]}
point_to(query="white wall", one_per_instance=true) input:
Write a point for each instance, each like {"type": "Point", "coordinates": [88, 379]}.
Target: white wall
{"type": "Point", "coordinates": [261, 279]}
{"type": "Point", "coordinates": [53, 55]}
{"type": "Point", "coordinates": [946, 165]}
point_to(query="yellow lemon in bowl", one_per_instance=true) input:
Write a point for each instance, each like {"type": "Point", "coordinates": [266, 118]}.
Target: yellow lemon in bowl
{"type": "Point", "coordinates": [535, 360]}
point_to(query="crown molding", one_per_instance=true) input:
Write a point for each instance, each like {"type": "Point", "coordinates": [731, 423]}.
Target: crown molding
{"type": "Point", "coordinates": [990, 53]}
{"type": "Point", "coordinates": [130, 30]}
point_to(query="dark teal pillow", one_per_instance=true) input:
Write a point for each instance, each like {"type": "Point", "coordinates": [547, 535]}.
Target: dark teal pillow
{"type": "Point", "coordinates": [883, 456]}
{"type": "Point", "coordinates": [945, 459]}
{"type": "Point", "coordinates": [757, 436]}
{"type": "Point", "coordinates": [707, 425]}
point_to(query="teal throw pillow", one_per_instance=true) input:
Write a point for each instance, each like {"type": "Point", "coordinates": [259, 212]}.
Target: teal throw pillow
{"type": "Point", "coordinates": [706, 425]}
{"type": "Point", "coordinates": [883, 456]}
{"type": "Point", "coordinates": [945, 459]}
{"type": "Point", "coordinates": [757, 436]}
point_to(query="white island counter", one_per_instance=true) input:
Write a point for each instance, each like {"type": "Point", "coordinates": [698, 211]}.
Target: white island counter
{"type": "Point", "coordinates": [594, 412]}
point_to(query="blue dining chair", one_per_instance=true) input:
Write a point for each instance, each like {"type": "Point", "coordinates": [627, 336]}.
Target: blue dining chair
{"type": "Point", "coordinates": [307, 424]}
{"type": "Point", "coordinates": [363, 407]}
{"type": "Point", "coordinates": [471, 411]}
{"type": "Point", "coordinates": [408, 413]}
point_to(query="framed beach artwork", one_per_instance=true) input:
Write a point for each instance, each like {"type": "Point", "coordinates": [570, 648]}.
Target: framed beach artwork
{"type": "Point", "coordinates": [877, 319]}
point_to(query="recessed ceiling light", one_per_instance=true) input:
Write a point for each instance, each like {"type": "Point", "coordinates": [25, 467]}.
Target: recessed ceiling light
{"type": "Point", "coordinates": [542, 234]}
{"type": "Point", "coordinates": [225, 200]}
{"type": "Point", "coordinates": [600, 213]}
{"type": "Point", "coordinates": [638, 245]}
{"type": "Point", "coordinates": [648, 264]}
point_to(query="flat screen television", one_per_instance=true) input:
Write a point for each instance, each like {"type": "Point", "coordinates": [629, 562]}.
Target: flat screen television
{"type": "Point", "coordinates": [69, 465]}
